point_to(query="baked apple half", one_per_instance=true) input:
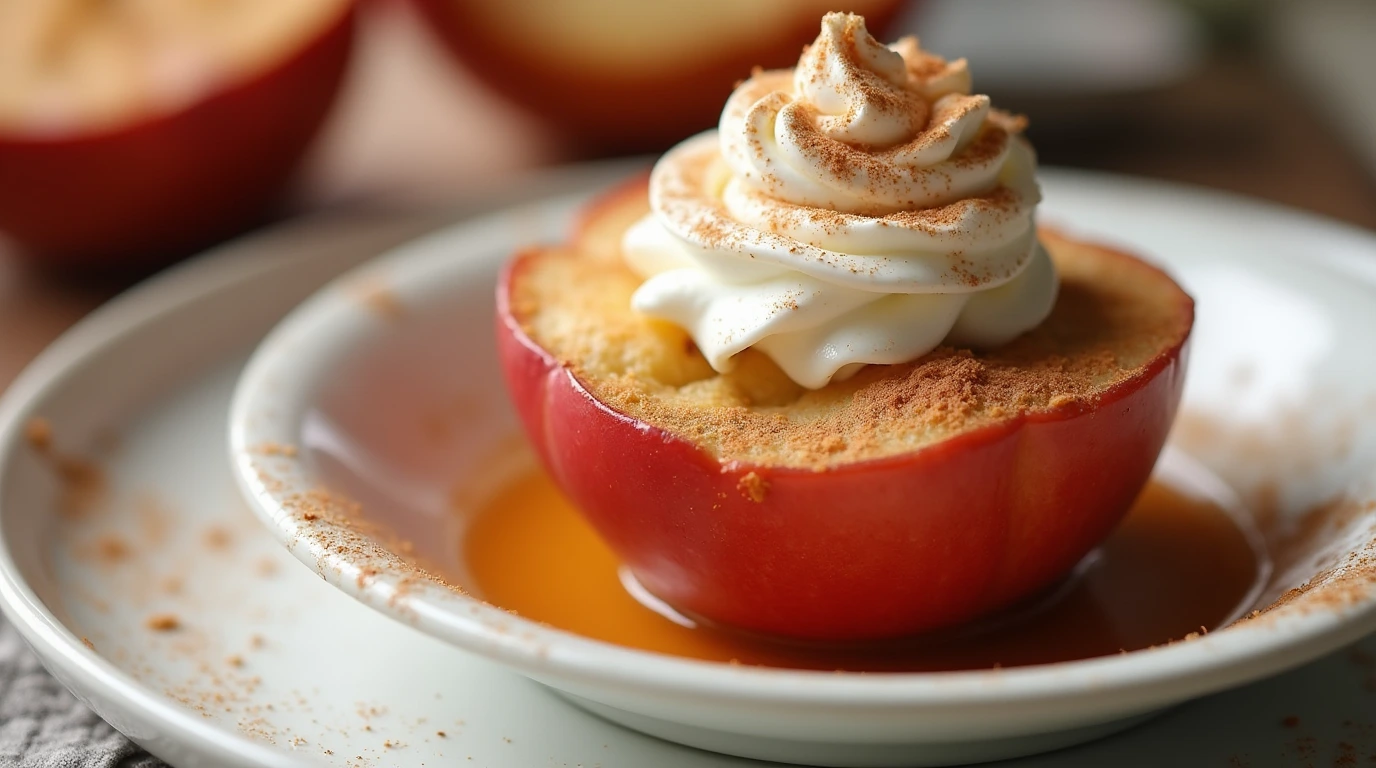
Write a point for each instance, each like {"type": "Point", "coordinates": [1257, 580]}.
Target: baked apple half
{"type": "Point", "coordinates": [904, 499]}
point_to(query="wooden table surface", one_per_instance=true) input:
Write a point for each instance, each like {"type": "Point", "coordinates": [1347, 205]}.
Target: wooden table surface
{"type": "Point", "coordinates": [410, 126]}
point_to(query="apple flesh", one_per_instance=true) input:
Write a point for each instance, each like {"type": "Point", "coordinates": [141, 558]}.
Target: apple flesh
{"type": "Point", "coordinates": [628, 76]}
{"type": "Point", "coordinates": [873, 549]}
{"type": "Point", "coordinates": [149, 186]}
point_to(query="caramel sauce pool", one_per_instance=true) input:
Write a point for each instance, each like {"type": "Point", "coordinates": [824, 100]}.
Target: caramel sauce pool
{"type": "Point", "coordinates": [1179, 563]}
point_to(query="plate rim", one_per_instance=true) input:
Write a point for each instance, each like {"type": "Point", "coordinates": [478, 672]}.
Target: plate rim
{"type": "Point", "coordinates": [146, 303]}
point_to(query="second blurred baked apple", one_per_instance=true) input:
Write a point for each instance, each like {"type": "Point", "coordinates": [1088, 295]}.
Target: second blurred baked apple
{"type": "Point", "coordinates": [134, 132]}
{"type": "Point", "coordinates": [618, 76]}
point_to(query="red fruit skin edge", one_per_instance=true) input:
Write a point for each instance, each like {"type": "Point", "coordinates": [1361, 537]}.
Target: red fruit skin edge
{"type": "Point", "coordinates": [141, 192]}
{"type": "Point", "coordinates": [877, 549]}
{"type": "Point", "coordinates": [623, 112]}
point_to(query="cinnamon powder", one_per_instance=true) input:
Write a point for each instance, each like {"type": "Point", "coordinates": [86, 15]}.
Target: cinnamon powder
{"type": "Point", "coordinates": [163, 622]}
{"type": "Point", "coordinates": [83, 485]}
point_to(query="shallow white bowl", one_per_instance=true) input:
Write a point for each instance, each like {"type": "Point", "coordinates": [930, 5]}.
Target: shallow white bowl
{"type": "Point", "coordinates": [343, 396]}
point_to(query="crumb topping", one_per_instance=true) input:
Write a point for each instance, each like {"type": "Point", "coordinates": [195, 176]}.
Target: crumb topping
{"type": "Point", "coordinates": [1114, 315]}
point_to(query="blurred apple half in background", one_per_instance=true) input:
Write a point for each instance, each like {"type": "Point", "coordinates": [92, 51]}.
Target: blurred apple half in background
{"type": "Point", "coordinates": [131, 132]}
{"type": "Point", "coordinates": [618, 76]}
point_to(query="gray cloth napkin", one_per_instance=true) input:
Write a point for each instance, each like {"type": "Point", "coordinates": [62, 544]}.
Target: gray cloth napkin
{"type": "Point", "coordinates": [44, 726]}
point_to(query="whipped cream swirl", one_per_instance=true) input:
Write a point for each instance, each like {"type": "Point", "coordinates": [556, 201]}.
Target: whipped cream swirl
{"type": "Point", "coordinates": [862, 208]}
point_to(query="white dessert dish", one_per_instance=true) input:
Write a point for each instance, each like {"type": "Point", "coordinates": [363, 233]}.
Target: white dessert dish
{"type": "Point", "coordinates": [1278, 404]}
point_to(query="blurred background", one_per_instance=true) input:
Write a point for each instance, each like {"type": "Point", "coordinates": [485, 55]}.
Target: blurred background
{"type": "Point", "coordinates": [136, 132]}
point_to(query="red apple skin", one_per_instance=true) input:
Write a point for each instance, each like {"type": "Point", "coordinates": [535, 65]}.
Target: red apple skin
{"type": "Point", "coordinates": [596, 114]}
{"type": "Point", "coordinates": [140, 193]}
{"type": "Point", "coordinates": [878, 549]}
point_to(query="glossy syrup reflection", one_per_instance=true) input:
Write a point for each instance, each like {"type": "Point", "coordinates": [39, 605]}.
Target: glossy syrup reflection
{"type": "Point", "coordinates": [1184, 560]}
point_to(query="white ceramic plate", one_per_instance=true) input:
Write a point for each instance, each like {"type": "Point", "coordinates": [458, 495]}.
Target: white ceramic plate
{"type": "Point", "coordinates": [143, 387]}
{"type": "Point", "coordinates": [1280, 350]}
